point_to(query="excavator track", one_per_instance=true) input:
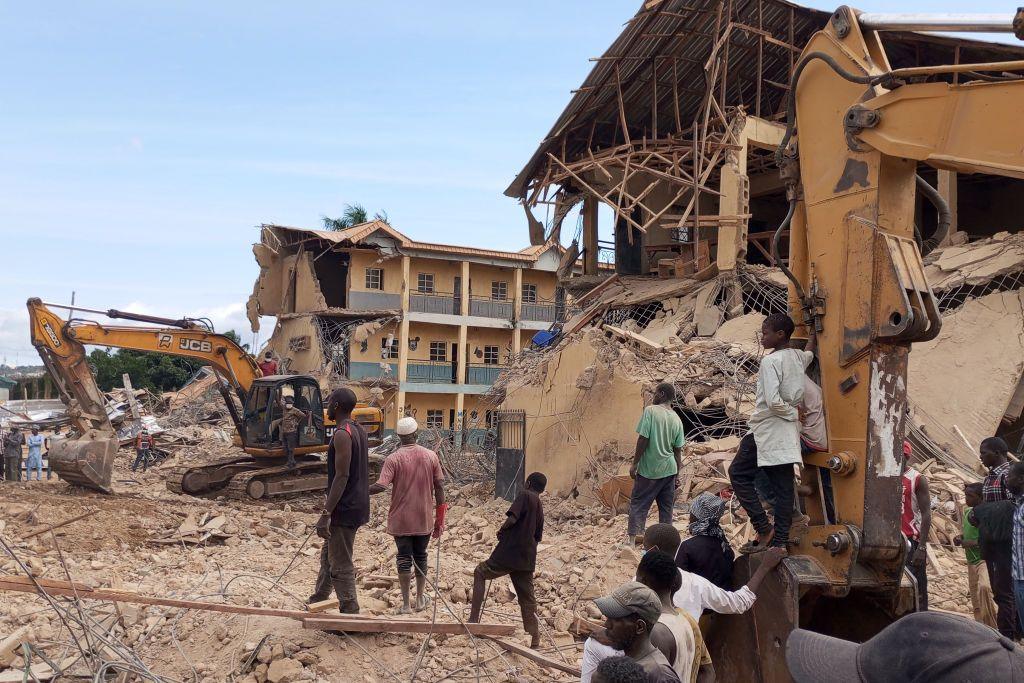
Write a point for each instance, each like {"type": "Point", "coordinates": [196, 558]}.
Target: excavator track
{"type": "Point", "coordinates": [308, 475]}
{"type": "Point", "coordinates": [196, 480]}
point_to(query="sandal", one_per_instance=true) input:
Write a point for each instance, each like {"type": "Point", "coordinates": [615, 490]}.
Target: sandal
{"type": "Point", "coordinates": [751, 547]}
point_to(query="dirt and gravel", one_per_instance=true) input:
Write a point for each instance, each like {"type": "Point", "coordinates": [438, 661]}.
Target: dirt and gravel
{"type": "Point", "coordinates": [266, 554]}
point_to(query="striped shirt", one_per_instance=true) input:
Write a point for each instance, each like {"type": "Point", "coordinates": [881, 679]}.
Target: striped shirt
{"type": "Point", "coordinates": [1017, 563]}
{"type": "Point", "coordinates": [994, 487]}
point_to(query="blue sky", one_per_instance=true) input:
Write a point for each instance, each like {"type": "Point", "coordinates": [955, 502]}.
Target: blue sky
{"type": "Point", "coordinates": [141, 143]}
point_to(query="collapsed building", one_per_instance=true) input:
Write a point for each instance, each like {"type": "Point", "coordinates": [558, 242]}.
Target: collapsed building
{"type": "Point", "coordinates": [674, 131]}
{"type": "Point", "coordinates": [421, 329]}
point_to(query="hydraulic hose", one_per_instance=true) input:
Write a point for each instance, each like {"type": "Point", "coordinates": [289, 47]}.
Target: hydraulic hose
{"type": "Point", "coordinates": [945, 215]}
{"type": "Point", "coordinates": [775, 249]}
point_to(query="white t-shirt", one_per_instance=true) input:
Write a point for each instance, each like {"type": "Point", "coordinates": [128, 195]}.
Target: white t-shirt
{"type": "Point", "coordinates": [775, 422]}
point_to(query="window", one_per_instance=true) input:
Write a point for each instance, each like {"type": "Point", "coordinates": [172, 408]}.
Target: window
{"type": "Point", "coordinates": [490, 355]}
{"type": "Point", "coordinates": [499, 291]}
{"type": "Point", "coordinates": [435, 419]}
{"type": "Point", "coordinates": [389, 350]}
{"type": "Point", "coordinates": [374, 278]}
{"type": "Point", "coordinates": [425, 283]}
{"type": "Point", "coordinates": [438, 351]}
{"type": "Point", "coordinates": [529, 294]}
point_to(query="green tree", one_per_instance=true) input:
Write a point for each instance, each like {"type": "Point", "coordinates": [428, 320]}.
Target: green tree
{"type": "Point", "coordinates": [157, 372]}
{"type": "Point", "coordinates": [354, 214]}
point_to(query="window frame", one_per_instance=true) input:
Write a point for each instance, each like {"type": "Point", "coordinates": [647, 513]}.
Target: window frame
{"type": "Point", "coordinates": [392, 351]}
{"type": "Point", "coordinates": [421, 283]}
{"type": "Point", "coordinates": [379, 276]}
{"type": "Point", "coordinates": [435, 413]}
{"type": "Point", "coordinates": [442, 356]}
{"type": "Point", "coordinates": [532, 297]}
{"type": "Point", "coordinates": [496, 355]}
{"type": "Point", "coordinates": [499, 286]}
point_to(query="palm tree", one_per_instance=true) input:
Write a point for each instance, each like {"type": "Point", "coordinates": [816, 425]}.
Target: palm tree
{"type": "Point", "coordinates": [354, 214]}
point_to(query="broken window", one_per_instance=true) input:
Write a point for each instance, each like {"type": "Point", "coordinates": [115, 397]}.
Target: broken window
{"type": "Point", "coordinates": [529, 294]}
{"type": "Point", "coordinates": [375, 278]}
{"type": "Point", "coordinates": [435, 419]}
{"type": "Point", "coordinates": [490, 355]}
{"type": "Point", "coordinates": [389, 347]}
{"type": "Point", "coordinates": [425, 283]}
{"type": "Point", "coordinates": [499, 291]}
{"type": "Point", "coordinates": [438, 351]}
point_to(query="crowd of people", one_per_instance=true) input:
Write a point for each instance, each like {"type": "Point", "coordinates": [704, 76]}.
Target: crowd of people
{"type": "Point", "coordinates": [652, 626]}
{"type": "Point", "coordinates": [17, 467]}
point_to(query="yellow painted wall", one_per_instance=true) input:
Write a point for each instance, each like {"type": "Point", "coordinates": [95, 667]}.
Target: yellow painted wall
{"type": "Point", "coordinates": [299, 362]}
{"type": "Point", "coordinates": [488, 336]}
{"type": "Point", "coordinates": [373, 346]}
{"type": "Point", "coordinates": [545, 281]}
{"type": "Point", "coordinates": [480, 278]}
{"type": "Point", "coordinates": [421, 403]}
{"type": "Point", "coordinates": [567, 426]}
{"type": "Point", "coordinates": [361, 259]}
{"type": "Point", "coordinates": [443, 270]}
{"type": "Point", "coordinates": [428, 333]}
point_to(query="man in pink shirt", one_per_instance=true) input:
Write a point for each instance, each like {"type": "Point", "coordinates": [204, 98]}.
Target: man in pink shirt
{"type": "Point", "coordinates": [417, 507]}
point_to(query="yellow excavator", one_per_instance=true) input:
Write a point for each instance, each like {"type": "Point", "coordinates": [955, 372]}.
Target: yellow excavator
{"type": "Point", "coordinates": [253, 401]}
{"type": "Point", "coordinates": [857, 130]}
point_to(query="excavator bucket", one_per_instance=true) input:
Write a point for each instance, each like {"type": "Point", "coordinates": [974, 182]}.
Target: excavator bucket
{"type": "Point", "coordinates": [752, 646]}
{"type": "Point", "coordinates": [86, 461]}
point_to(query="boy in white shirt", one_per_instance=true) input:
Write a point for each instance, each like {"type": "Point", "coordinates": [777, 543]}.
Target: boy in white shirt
{"type": "Point", "coordinates": [773, 444]}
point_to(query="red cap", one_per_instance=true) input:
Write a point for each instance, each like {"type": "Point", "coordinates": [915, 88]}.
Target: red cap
{"type": "Point", "coordinates": [906, 448]}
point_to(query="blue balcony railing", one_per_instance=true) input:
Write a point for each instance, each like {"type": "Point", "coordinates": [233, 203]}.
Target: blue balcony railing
{"type": "Point", "coordinates": [483, 373]}
{"type": "Point", "coordinates": [432, 372]}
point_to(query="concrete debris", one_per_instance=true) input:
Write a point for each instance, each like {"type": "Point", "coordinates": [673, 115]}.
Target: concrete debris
{"type": "Point", "coordinates": [205, 528]}
{"type": "Point", "coordinates": [969, 375]}
{"type": "Point", "coordinates": [976, 263]}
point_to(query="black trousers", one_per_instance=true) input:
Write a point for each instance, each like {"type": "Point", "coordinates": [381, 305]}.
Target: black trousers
{"type": "Point", "coordinates": [998, 560]}
{"type": "Point", "coordinates": [337, 570]}
{"type": "Point", "coordinates": [743, 472]}
{"type": "Point", "coordinates": [412, 550]}
{"type": "Point", "coordinates": [920, 574]}
{"type": "Point", "coordinates": [290, 441]}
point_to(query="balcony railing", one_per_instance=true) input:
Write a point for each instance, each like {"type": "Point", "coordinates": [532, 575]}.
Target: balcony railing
{"type": "Point", "coordinates": [486, 307]}
{"type": "Point", "coordinates": [540, 310]}
{"type": "Point", "coordinates": [483, 373]}
{"type": "Point", "coordinates": [433, 372]}
{"type": "Point", "coordinates": [435, 302]}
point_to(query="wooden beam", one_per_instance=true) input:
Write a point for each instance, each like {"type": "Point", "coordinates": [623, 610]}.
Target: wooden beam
{"type": "Point", "coordinates": [622, 106]}
{"type": "Point", "coordinates": [535, 656]}
{"type": "Point", "coordinates": [59, 525]}
{"type": "Point", "coordinates": [341, 623]}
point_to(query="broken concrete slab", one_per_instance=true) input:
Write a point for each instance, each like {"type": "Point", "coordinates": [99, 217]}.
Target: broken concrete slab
{"type": "Point", "coordinates": [968, 375]}
{"type": "Point", "coordinates": [744, 330]}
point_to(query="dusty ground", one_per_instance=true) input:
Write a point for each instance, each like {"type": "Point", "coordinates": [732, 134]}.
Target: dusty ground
{"type": "Point", "coordinates": [270, 558]}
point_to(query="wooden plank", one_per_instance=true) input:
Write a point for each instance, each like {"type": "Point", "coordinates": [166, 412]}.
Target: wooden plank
{"type": "Point", "coordinates": [404, 626]}
{"type": "Point", "coordinates": [633, 336]}
{"type": "Point", "coordinates": [535, 656]}
{"type": "Point", "coordinates": [600, 287]}
{"type": "Point", "coordinates": [323, 605]}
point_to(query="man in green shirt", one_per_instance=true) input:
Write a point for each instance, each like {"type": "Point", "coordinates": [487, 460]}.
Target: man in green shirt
{"type": "Point", "coordinates": [977, 574]}
{"type": "Point", "coordinates": [659, 452]}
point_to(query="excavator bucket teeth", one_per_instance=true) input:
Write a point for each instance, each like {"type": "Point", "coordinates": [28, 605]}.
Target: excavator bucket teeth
{"type": "Point", "coordinates": [87, 461]}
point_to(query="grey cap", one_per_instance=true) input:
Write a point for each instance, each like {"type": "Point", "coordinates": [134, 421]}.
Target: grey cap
{"type": "Point", "coordinates": [631, 598]}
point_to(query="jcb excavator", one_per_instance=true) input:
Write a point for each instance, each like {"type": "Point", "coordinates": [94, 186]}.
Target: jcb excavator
{"type": "Point", "coordinates": [856, 131]}
{"type": "Point", "coordinates": [88, 459]}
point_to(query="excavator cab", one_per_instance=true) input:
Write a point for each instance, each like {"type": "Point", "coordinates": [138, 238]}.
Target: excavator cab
{"type": "Point", "coordinates": [264, 406]}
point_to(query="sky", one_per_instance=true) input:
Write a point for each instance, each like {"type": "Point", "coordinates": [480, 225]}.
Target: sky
{"type": "Point", "coordinates": [142, 143]}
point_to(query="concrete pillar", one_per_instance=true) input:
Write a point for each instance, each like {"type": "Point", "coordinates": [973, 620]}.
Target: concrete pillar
{"type": "Point", "coordinates": [403, 328]}
{"type": "Point", "coordinates": [517, 294]}
{"type": "Point", "coordinates": [947, 189]}
{"type": "Point", "coordinates": [460, 422]}
{"type": "Point", "coordinates": [465, 289]}
{"type": "Point", "coordinates": [463, 336]}
{"type": "Point", "coordinates": [590, 204]}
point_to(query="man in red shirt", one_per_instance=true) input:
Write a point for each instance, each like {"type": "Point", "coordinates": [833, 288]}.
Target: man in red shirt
{"type": "Point", "coordinates": [417, 507]}
{"type": "Point", "coordinates": [916, 524]}
{"type": "Point", "coordinates": [143, 450]}
{"type": "Point", "coordinates": [268, 366]}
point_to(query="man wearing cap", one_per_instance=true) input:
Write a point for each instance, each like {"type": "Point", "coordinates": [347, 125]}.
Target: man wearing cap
{"type": "Point", "coordinates": [417, 507]}
{"type": "Point", "coordinates": [268, 366]}
{"type": "Point", "coordinates": [923, 646]}
{"type": "Point", "coordinates": [348, 503]}
{"type": "Point", "coordinates": [631, 611]}
{"type": "Point", "coordinates": [289, 424]}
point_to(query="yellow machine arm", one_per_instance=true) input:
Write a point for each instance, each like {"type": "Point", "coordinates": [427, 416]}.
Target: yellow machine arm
{"type": "Point", "coordinates": [856, 272]}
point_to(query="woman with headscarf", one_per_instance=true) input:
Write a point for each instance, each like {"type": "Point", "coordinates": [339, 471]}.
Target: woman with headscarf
{"type": "Point", "coordinates": [707, 552]}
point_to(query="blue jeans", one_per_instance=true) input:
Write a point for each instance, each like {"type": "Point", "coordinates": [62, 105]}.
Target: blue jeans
{"type": "Point", "coordinates": [1018, 593]}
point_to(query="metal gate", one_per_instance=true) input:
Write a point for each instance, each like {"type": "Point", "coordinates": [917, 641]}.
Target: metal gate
{"type": "Point", "coordinates": [510, 453]}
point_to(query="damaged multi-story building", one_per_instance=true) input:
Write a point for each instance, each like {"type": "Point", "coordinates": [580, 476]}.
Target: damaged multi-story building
{"type": "Point", "coordinates": [424, 329]}
{"type": "Point", "coordinates": [674, 132]}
